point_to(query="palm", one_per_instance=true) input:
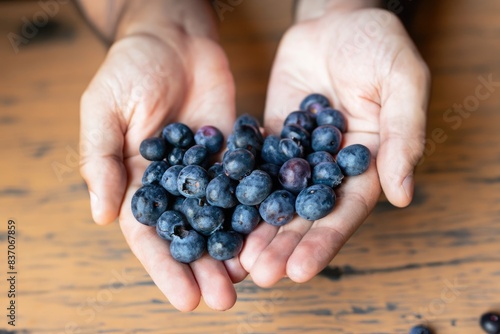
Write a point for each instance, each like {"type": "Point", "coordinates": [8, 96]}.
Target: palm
{"type": "Point", "coordinates": [316, 56]}
{"type": "Point", "coordinates": [150, 89]}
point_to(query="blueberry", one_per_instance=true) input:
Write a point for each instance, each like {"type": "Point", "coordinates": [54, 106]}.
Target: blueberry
{"type": "Point", "coordinates": [224, 245]}
{"type": "Point", "coordinates": [298, 134]}
{"type": "Point", "coordinates": [195, 155]}
{"type": "Point", "coordinates": [168, 222]}
{"type": "Point", "coordinates": [271, 152]}
{"type": "Point", "coordinates": [192, 181]}
{"type": "Point", "coordinates": [291, 149]}
{"type": "Point", "coordinates": [314, 103]}
{"type": "Point", "coordinates": [420, 329]}
{"type": "Point", "coordinates": [208, 219]}
{"type": "Point", "coordinates": [245, 218]}
{"type": "Point", "coordinates": [329, 116]}
{"type": "Point", "coordinates": [271, 169]}
{"type": "Point", "coordinates": [246, 119]}
{"type": "Point", "coordinates": [326, 138]}
{"type": "Point", "coordinates": [254, 188]}
{"type": "Point", "coordinates": [247, 137]}
{"type": "Point", "coordinates": [153, 149]}
{"type": "Point", "coordinates": [327, 173]}
{"type": "Point", "coordinates": [215, 170]}
{"type": "Point", "coordinates": [210, 137]}
{"type": "Point", "coordinates": [154, 172]}
{"type": "Point", "coordinates": [191, 206]}
{"type": "Point", "coordinates": [175, 156]}
{"type": "Point", "coordinates": [490, 323]}
{"type": "Point", "coordinates": [221, 192]}
{"type": "Point", "coordinates": [315, 202]}
{"type": "Point", "coordinates": [354, 159]}
{"type": "Point", "coordinates": [303, 118]}
{"type": "Point", "coordinates": [320, 156]}
{"type": "Point", "coordinates": [148, 203]}
{"type": "Point", "coordinates": [238, 163]}
{"type": "Point", "coordinates": [169, 179]}
{"type": "Point", "coordinates": [294, 175]}
{"type": "Point", "coordinates": [178, 134]}
{"type": "Point", "coordinates": [187, 245]}
{"type": "Point", "coordinates": [278, 208]}
{"type": "Point", "coordinates": [177, 203]}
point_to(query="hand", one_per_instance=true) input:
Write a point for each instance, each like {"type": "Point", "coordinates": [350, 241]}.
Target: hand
{"type": "Point", "coordinates": [381, 84]}
{"type": "Point", "coordinates": [151, 78]}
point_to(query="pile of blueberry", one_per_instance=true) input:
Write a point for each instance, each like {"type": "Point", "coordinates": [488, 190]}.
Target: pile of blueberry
{"type": "Point", "coordinates": [198, 205]}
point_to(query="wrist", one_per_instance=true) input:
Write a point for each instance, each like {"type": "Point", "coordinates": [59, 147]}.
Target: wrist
{"type": "Point", "coordinates": [312, 9]}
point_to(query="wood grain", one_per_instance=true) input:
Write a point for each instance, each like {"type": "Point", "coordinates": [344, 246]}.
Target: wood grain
{"type": "Point", "coordinates": [436, 262]}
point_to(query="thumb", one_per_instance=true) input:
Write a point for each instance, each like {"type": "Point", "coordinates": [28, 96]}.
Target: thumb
{"type": "Point", "coordinates": [402, 128]}
{"type": "Point", "coordinates": [101, 158]}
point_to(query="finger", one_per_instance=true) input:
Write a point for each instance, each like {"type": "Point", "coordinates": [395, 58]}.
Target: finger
{"type": "Point", "coordinates": [174, 279]}
{"type": "Point", "coordinates": [215, 284]}
{"type": "Point", "coordinates": [402, 126]}
{"type": "Point", "coordinates": [356, 197]}
{"type": "Point", "coordinates": [235, 270]}
{"type": "Point", "coordinates": [101, 146]}
{"type": "Point", "coordinates": [270, 266]}
{"type": "Point", "coordinates": [255, 243]}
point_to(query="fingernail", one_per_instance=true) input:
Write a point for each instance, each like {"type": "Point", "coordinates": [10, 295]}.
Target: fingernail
{"type": "Point", "coordinates": [408, 186]}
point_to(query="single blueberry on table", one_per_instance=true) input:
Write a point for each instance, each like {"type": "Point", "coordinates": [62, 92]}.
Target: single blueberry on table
{"type": "Point", "coordinates": [175, 156]}
{"type": "Point", "coordinates": [224, 245]}
{"type": "Point", "coordinates": [169, 179]}
{"type": "Point", "coordinates": [354, 159]}
{"type": "Point", "coordinates": [315, 202]}
{"type": "Point", "coordinates": [326, 138]}
{"type": "Point", "coordinates": [247, 137]}
{"type": "Point", "coordinates": [246, 119]}
{"type": "Point", "coordinates": [191, 206]}
{"type": "Point", "coordinates": [298, 134]}
{"type": "Point", "coordinates": [208, 219]}
{"type": "Point", "coordinates": [148, 203]}
{"type": "Point", "coordinates": [195, 155]}
{"type": "Point", "coordinates": [314, 103]}
{"type": "Point", "coordinates": [327, 173]}
{"type": "Point", "coordinates": [168, 222]}
{"type": "Point", "coordinates": [295, 174]}
{"type": "Point", "coordinates": [254, 188]}
{"type": "Point", "coordinates": [271, 152]}
{"type": "Point", "coordinates": [154, 172]}
{"type": "Point", "coordinates": [178, 135]}
{"type": "Point", "coordinates": [210, 137]}
{"type": "Point", "coordinates": [187, 245]}
{"type": "Point", "coordinates": [278, 208]}
{"type": "Point", "coordinates": [192, 181]}
{"type": "Point", "coordinates": [329, 116]}
{"type": "Point", "coordinates": [215, 170]}
{"type": "Point", "coordinates": [290, 148]}
{"type": "Point", "coordinates": [245, 218]}
{"type": "Point", "coordinates": [238, 163]}
{"type": "Point", "coordinates": [490, 323]}
{"type": "Point", "coordinates": [420, 329]}
{"type": "Point", "coordinates": [153, 149]}
{"type": "Point", "coordinates": [320, 156]}
{"type": "Point", "coordinates": [303, 118]}
{"type": "Point", "coordinates": [221, 192]}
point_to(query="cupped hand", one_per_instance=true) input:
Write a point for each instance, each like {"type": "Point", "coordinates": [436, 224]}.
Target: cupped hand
{"type": "Point", "coordinates": [366, 64]}
{"type": "Point", "coordinates": [148, 80]}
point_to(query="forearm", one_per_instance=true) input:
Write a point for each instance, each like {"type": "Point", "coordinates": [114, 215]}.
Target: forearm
{"type": "Point", "coordinates": [310, 9]}
{"type": "Point", "coordinates": [114, 19]}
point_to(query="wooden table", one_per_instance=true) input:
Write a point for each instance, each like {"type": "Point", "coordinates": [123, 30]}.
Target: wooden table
{"type": "Point", "coordinates": [436, 262]}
